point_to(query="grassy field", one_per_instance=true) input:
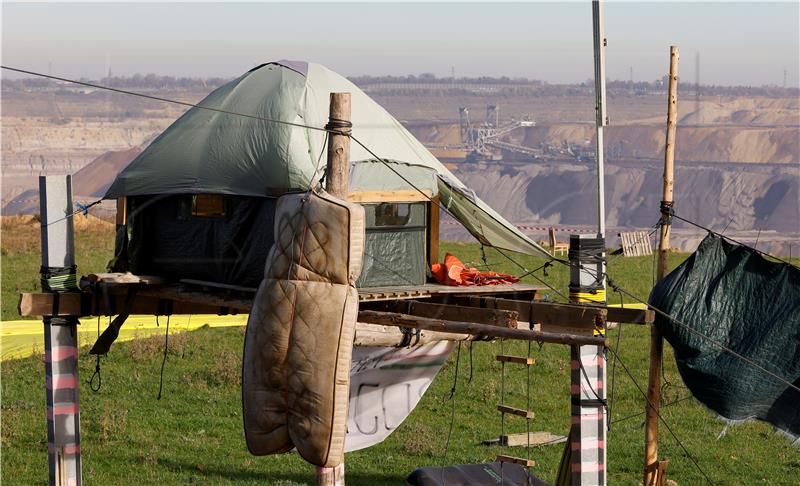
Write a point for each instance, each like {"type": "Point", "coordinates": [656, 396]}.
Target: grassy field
{"type": "Point", "coordinates": [193, 435]}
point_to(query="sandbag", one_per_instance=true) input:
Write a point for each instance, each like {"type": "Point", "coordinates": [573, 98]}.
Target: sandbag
{"type": "Point", "coordinates": [299, 338]}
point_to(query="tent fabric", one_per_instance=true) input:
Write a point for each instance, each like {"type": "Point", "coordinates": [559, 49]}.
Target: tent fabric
{"type": "Point", "coordinates": [220, 153]}
{"type": "Point", "coordinates": [751, 305]}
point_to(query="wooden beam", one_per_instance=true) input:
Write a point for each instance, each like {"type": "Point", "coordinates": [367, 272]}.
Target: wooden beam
{"type": "Point", "coordinates": [402, 195]}
{"type": "Point", "coordinates": [42, 304]}
{"type": "Point", "coordinates": [173, 300]}
{"type": "Point", "coordinates": [403, 320]}
{"type": "Point", "coordinates": [551, 313]}
{"type": "Point", "coordinates": [122, 211]}
{"type": "Point", "coordinates": [434, 216]}
{"type": "Point", "coordinates": [491, 317]}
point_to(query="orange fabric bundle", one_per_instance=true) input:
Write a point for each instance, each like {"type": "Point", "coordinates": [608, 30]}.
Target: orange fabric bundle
{"type": "Point", "coordinates": [453, 272]}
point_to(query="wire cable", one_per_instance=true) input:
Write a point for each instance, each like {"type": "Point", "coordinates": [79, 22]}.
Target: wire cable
{"type": "Point", "coordinates": [660, 417]}
{"type": "Point", "coordinates": [165, 100]}
{"type": "Point", "coordinates": [708, 339]}
{"type": "Point", "coordinates": [736, 241]}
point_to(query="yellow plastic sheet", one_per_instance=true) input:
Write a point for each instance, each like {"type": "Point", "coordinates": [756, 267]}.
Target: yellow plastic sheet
{"type": "Point", "coordinates": [20, 339]}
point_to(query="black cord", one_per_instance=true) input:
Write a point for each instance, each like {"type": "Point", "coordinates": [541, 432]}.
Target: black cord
{"type": "Point", "coordinates": [614, 368]}
{"type": "Point", "coordinates": [736, 241]}
{"type": "Point", "coordinates": [706, 338]}
{"type": "Point", "coordinates": [164, 360]}
{"type": "Point", "coordinates": [166, 100]}
{"type": "Point", "coordinates": [96, 373]}
{"type": "Point", "coordinates": [666, 425]}
{"type": "Point", "coordinates": [452, 412]}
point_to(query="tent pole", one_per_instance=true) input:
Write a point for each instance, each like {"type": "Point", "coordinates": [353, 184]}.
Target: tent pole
{"type": "Point", "coordinates": [654, 469]}
{"type": "Point", "coordinates": [337, 183]}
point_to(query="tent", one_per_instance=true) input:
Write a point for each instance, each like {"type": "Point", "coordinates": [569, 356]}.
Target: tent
{"type": "Point", "coordinates": [175, 227]}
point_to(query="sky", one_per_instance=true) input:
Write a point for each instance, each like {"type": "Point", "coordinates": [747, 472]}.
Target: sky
{"type": "Point", "coordinates": [738, 43]}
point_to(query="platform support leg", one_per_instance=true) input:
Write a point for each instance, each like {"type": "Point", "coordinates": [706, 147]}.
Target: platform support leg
{"type": "Point", "coordinates": [60, 333]}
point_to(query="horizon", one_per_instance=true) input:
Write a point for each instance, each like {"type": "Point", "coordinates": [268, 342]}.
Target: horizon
{"type": "Point", "coordinates": [739, 44]}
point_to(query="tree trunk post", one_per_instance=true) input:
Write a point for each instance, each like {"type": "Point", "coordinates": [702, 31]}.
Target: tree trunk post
{"type": "Point", "coordinates": [653, 473]}
{"type": "Point", "coordinates": [337, 181]}
{"type": "Point", "coordinates": [60, 333]}
{"type": "Point", "coordinates": [338, 169]}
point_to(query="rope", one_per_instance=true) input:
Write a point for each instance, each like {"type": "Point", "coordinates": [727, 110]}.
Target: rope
{"type": "Point", "coordinates": [736, 241]}
{"type": "Point", "coordinates": [661, 418]}
{"type": "Point", "coordinates": [163, 361]}
{"type": "Point", "coordinates": [164, 100]}
{"type": "Point", "coordinates": [452, 411]}
{"type": "Point", "coordinates": [96, 367]}
{"type": "Point", "coordinates": [707, 338]}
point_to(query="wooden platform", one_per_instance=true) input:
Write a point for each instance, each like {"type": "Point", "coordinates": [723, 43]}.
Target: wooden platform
{"type": "Point", "coordinates": [431, 290]}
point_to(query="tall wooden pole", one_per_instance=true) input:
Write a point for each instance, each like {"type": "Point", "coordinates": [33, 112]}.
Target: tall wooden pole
{"type": "Point", "coordinates": [60, 333]}
{"type": "Point", "coordinates": [338, 174]}
{"type": "Point", "coordinates": [653, 473]}
{"type": "Point", "coordinates": [337, 181]}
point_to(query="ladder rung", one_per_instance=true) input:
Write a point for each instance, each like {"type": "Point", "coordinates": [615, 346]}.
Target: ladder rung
{"type": "Point", "coordinates": [516, 460]}
{"type": "Point", "coordinates": [515, 411]}
{"type": "Point", "coordinates": [515, 359]}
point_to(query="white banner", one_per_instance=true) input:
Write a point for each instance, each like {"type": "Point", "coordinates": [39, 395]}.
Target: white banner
{"type": "Point", "coordinates": [385, 386]}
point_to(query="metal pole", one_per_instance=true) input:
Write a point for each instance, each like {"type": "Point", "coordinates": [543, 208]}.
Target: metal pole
{"type": "Point", "coordinates": [601, 117]}
{"type": "Point", "coordinates": [60, 334]}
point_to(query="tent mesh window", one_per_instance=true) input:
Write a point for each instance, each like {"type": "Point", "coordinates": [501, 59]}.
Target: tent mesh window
{"type": "Point", "coordinates": [395, 246]}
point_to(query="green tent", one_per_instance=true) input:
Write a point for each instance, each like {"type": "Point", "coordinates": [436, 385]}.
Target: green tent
{"type": "Point", "coordinates": [208, 152]}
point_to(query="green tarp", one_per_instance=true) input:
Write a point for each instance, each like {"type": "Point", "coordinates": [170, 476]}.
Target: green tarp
{"type": "Point", "coordinates": [731, 295]}
{"type": "Point", "coordinates": [221, 153]}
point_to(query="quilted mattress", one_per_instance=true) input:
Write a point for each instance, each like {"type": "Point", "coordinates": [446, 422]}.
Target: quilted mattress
{"type": "Point", "coordinates": [299, 338]}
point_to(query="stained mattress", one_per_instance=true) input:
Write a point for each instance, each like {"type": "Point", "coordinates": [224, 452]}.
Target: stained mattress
{"type": "Point", "coordinates": [299, 338]}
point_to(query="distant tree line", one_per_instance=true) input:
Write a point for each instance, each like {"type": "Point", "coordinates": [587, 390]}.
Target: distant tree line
{"type": "Point", "coordinates": [425, 83]}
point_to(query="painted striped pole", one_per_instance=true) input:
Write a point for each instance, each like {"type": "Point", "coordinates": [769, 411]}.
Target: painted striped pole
{"type": "Point", "coordinates": [60, 334]}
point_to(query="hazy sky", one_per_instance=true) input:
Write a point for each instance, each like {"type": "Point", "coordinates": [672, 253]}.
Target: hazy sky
{"type": "Point", "coordinates": [739, 43]}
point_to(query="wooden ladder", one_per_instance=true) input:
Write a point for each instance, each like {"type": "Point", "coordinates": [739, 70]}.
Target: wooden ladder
{"type": "Point", "coordinates": [504, 409]}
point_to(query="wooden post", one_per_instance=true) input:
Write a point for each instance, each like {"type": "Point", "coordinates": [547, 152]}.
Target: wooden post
{"type": "Point", "coordinates": [60, 334]}
{"type": "Point", "coordinates": [653, 474]}
{"type": "Point", "coordinates": [338, 175]}
{"type": "Point", "coordinates": [337, 183]}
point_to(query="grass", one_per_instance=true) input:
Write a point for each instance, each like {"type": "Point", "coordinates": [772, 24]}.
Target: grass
{"type": "Point", "coordinates": [193, 435]}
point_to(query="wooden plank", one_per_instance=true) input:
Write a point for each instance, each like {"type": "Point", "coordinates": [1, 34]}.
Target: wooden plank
{"type": "Point", "coordinates": [516, 460]}
{"type": "Point", "coordinates": [217, 285]}
{"type": "Point", "coordinates": [125, 278]}
{"type": "Point", "coordinates": [122, 211]}
{"type": "Point", "coordinates": [404, 195]}
{"type": "Point", "coordinates": [554, 313]}
{"type": "Point", "coordinates": [154, 301]}
{"type": "Point", "coordinates": [41, 304]}
{"type": "Point", "coordinates": [515, 411]}
{"type": "Point", "coordinates": [535, 439]}
{"type": "Point", "coordinates": [492, 317]}
{"type": "Point", "coordinates": [515, 359]}
{"type": "Point", "coordinates": [433, 231]}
